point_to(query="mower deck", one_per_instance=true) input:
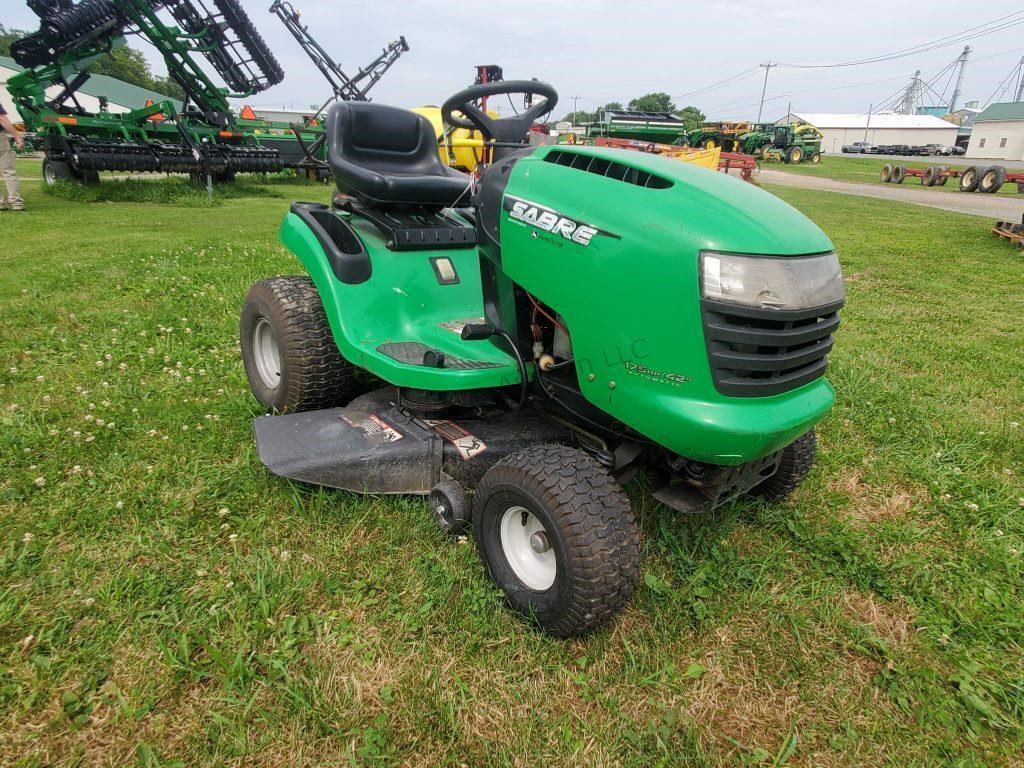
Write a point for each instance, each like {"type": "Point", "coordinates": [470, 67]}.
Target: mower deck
{"type": "Point", "coordinates": [375, 445]}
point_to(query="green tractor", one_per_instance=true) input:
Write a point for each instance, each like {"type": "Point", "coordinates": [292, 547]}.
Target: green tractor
{"type": "Point", "coordinates": [538, 336]}
{"type": "Point", "coordinates": [790, 143]}
{"type": "Point", "coordinates": [725, 134]}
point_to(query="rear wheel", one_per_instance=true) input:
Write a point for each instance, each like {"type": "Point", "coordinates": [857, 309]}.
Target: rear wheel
{"type": "Point", "coordinates": [992, 179]}
{"type": "Point", "coordinates": [794, 155]}
{"type": "Point", "coordinates": [899, 173]}
{"type": "Point", "coordinates": [558, 536]}
{"type": "Point", "coordinates": [886, 174]}
{"type": "Point", "coordinates": [929, 177]}
{"type": "Point", "coordinates": [289, 354]}
{"type": "Point", "coordinates": [969, 179]}
{"type": "Point", "coordinates": [797, 460]}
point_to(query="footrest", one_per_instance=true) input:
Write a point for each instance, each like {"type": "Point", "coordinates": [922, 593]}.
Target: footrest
{"type": "Point", "coordinates": [413, 353]}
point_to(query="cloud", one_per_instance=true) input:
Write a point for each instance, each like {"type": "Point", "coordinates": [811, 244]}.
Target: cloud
{"type": "Point", "coordinates": [606, 50]}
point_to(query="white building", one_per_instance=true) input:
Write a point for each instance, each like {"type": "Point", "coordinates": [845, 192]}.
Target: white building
{"type": "Point", "coordinates": [120, 96]}
{"type": "Point", "coordinates": [998, 132]}
{"type": "Point", "coordinates": [883, 128]}
{"type": "Point", "coordinates": [283, 115]}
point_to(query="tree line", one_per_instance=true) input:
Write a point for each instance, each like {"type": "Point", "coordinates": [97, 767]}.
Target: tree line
{"type": "Point", "coordinates": [649, 102]}
{"type": "Point", "coordinates": [123, 63]}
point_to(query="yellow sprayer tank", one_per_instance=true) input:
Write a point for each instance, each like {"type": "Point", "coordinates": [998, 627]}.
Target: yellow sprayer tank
{"type": "Point", "coordinates": [462, 149]}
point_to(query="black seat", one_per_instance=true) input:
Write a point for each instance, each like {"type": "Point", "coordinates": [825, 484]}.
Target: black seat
{"type": "Point", "coordinates": [388, 156]}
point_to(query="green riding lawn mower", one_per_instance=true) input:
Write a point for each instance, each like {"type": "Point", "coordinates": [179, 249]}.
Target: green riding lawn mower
{"type": "Point", "coordinates": [539, 334]}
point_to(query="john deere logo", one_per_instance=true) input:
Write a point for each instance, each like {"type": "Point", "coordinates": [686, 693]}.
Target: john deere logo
{"type": "Point", "coordinates": [548, 220]}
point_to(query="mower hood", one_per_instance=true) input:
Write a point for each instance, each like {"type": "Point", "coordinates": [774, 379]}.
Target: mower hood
{"type": "Point", "coordinates": [613, 240]}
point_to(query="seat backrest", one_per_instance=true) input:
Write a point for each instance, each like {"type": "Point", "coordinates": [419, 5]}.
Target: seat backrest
{"type": "Point", "coordinates": [386, 156]}
{"type": "Point", "coordinates": [383, 139]}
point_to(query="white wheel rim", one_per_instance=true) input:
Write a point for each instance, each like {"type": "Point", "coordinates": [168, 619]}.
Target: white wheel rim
{"type": "Point", "coordinates": [528, 549]}
{"type": "Point", "coordinates": [265, 354]}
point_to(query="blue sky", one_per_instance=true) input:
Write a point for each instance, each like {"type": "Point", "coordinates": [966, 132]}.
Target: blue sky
{"type": "Point", "coordinates": [602, 51]}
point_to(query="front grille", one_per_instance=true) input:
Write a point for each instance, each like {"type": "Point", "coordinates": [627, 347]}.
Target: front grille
{"type": "Point", "coordinates": [756, 352]}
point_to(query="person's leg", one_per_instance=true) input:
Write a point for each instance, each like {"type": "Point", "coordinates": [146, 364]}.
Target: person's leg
{"type": "Point", "coordinates": [10, 175]}
{"type": "Point", "coordinates": [5, 156]}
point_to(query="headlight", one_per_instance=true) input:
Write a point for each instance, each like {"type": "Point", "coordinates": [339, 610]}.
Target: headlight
{"type": "Point", "coordinates": [772, 282]}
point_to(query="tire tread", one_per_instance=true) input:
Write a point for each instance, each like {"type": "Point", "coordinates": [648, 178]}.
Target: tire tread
{"type": "Point", "coordinates": [599, 528]}
{"type": "Point", "coordinates": [318, 376]}
{"type": "Point", "coordinates": [797, 460]}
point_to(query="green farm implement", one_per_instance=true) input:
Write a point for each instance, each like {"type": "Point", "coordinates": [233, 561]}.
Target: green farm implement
{"type": "Point", "coordinates": [309, 153]}
{"type": "Point", "coordinates": [790, 143]}
{"type": "Point", "coordinates": [200, 138]}
{"type": "Point", "coordinates": [539, 334]}
{"type": "Point", "coordinates": [661, 127]}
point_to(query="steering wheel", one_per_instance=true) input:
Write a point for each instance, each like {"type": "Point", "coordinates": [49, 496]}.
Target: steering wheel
{"type": "Point", "coordinates": [506, 130]}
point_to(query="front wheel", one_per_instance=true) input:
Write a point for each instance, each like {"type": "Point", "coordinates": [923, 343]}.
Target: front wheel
{"type": "Point", "coordinates": [794, 155]}
{"type": "Point", "coordinates": [56, 171]}
{"type": "Point", "coordinates": [288, 351]}
{"type": "Point", "coordinates": [815, 158]}
{"type": "Point", "coordinates": [558, 536]}
{"type": "Point", "coordinates": [796, 463]}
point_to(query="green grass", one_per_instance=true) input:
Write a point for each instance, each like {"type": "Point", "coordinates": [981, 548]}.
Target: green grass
{"type": "Point", "coordinates": [166, 601]}
{"type": "Point", "coordinates": [866, 169]}
{"type": "Point", "coordinates": [160, 191]}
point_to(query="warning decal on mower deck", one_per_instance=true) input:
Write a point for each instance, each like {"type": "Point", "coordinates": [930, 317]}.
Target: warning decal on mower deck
{"type": "Point", "coordinates": [466, 444]}
{"type": "Point", "coordinates": [374, 426]}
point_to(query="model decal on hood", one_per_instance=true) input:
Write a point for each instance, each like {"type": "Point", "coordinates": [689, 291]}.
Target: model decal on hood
{"type": "Point", "coordinates": [541, 217]}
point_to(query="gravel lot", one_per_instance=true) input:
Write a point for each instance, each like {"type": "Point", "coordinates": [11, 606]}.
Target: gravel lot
{"type": "Point", "coordinates": [989, 206]}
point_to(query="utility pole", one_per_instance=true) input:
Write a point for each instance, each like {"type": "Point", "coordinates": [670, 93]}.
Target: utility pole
{"type": "Point", "coordinates": [764, 88]}
{"type": "Point", "coordinates": [789, 112]}
{"type": "Point", "coordinates": [959, 78]}
{"type": "Point", "coordinates": [575, 113]}
{"type": "Point", "coordinates": [868, 124]}
{"type": "Point", "coordinates": [1020, 84]}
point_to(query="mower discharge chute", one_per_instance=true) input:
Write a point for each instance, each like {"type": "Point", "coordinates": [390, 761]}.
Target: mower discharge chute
{"type": "Point", "coordinates": [200, 138]}
{"type": "Point", "coordinates": [575, 316]}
